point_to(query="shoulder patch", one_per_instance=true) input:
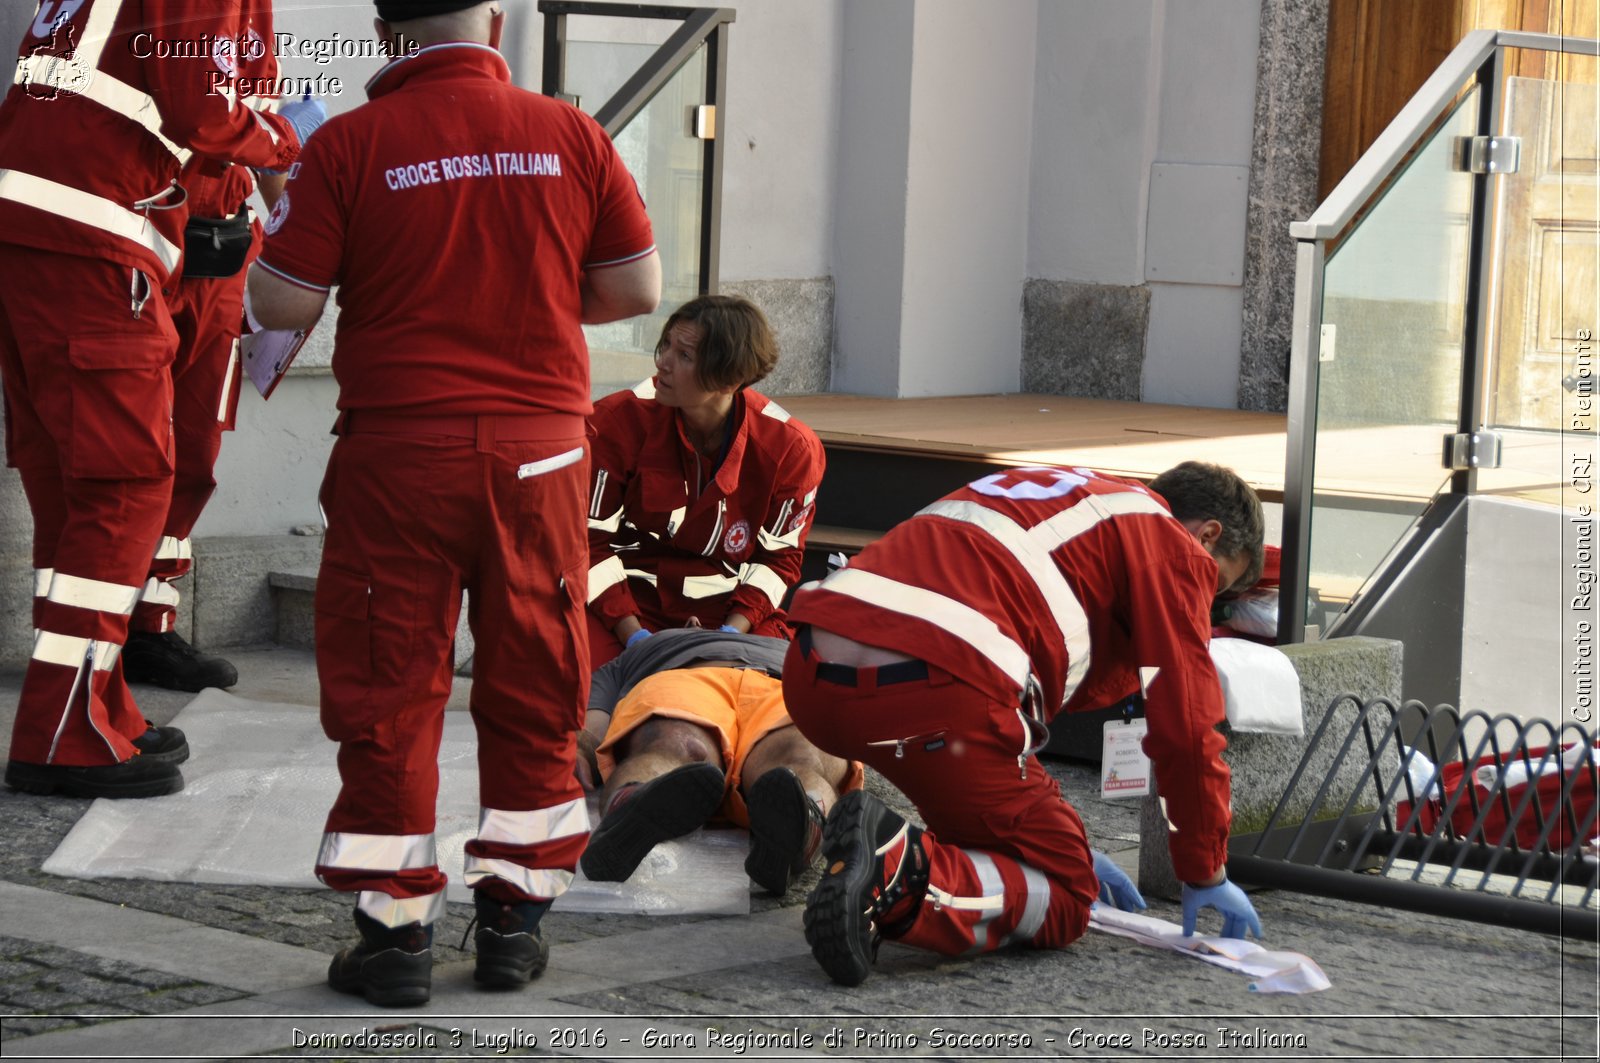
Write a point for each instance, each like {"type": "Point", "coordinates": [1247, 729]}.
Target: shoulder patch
{"type": "Point", "coordinates": [774, 411]}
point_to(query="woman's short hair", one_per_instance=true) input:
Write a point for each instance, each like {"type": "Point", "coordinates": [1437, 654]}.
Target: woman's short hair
{"type": "Point", "coordinates": [737, 347]}
{"type": "Point", "coordinates": [1198, 490]}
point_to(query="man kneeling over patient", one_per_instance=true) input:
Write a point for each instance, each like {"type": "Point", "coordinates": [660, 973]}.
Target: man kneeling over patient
{"type": "Point", "coordinates": [690, 722]}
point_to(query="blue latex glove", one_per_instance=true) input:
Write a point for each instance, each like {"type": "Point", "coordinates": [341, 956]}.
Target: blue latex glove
{"type": "Point", "coordinates": [1239, 917]}
{"type": "Point", "coordinates": [306, 116]}
{"type": "Point", "coordinates": [730, 629]}
{"type": "Point", "coordinates": [1116, 888]}
{"type": "Point", "coordinates": [637, 636]}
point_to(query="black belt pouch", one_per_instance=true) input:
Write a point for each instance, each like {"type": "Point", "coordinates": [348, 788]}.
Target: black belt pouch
{"type": "Point", "coordinates": [216, 247]}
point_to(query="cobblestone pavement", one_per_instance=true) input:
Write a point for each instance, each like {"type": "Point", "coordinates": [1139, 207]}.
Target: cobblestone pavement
{"type": "Point", "coordinates": [121, 969]}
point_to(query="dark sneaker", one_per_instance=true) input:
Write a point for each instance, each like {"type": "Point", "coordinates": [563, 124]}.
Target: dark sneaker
{"type": "Point", "coordinates": [511, 951]}
{"type": "Point", "coordinates": [876, 877]}
{"type": "Point", "coordinates": [165, 659]}
{"type": "Point", "coordinates": [642, 816]}
{"type": "Point", "coordinates": [164, 744]}
{"type": "Point", "coordinates": [392, 968]}
{"type": "Point", "coordinates": [785, 831]}
{"type": "Point", "coordinates": [135, 777]}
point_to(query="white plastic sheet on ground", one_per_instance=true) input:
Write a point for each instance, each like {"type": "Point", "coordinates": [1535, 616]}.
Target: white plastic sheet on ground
{"type": "Point", "coordinates": [1272, 972]}
{"type": "Point", "coordinates": [260, 780]}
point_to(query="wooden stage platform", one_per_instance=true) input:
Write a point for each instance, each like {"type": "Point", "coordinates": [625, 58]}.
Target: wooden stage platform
{"type": "Point", "coordinates": [1397, 464]}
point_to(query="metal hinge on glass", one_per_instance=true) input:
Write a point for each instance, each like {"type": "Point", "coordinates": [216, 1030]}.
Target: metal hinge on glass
{"type": "Point", "coordinates": [1490, 154]}
{"type": "Point", "coordinates": [1472, 450]}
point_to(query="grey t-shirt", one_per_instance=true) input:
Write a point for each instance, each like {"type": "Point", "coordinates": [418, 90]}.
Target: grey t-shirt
{"type": "Point", "coordinates": [678, 648]}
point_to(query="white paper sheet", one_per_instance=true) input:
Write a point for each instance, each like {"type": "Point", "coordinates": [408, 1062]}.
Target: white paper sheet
{"type": "Point", "coordinates": [1272, 972]}
{"type": "Point", "coordinates": [260, 780]}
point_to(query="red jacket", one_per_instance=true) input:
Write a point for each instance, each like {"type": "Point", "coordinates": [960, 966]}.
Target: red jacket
{"type": "Point", "coordinates": [222, 196]}
{"type": "Point", "coordinates": [103, 118]}
{"type": "Point", "coordinates": [661, 551]}
{"type": "Point", "coordinates": [1080, 580]}
{"type": "Point", "coordinates": [458, 247]}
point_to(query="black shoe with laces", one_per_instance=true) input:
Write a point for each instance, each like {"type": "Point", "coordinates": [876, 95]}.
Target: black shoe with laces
{"type": "Point", "coordinates": [785, 831]}
{"type": "Point", "coordinates": [165, 744]}
{"type": "Point", "coordinates": [165, 659]}
{"type": "Point", "coordinates": [511, 952]}
{"type": "Point", "coordinates": [135, 777]}
{"type": "Point", "coordinates": [875, 879]}
{"type": "Point", "coordinates": [643, 816]}
{"type": "Point", "coordinates": [391, 967]}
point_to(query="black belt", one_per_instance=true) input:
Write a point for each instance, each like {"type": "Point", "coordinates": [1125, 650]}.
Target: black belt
{"type": "Point", "coordinates": [848, 676]}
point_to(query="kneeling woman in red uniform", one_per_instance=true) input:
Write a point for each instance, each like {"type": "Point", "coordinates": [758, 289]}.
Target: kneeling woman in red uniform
{"type": "Point", "coordinates": [703, 489]}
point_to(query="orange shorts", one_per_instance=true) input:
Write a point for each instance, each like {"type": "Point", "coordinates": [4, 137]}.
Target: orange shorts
{"type": "Point", "coordinates": [742, 705]}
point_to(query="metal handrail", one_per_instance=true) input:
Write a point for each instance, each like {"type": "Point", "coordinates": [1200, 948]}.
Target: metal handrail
{"type": "Point", "coordinates": [1378, 163]}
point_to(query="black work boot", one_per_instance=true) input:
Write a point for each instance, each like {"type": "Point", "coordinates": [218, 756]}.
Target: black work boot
{"type": "Point", "coordinates": [785, 830]}
{"type": "Point", "coordinates": [511, 951]}
{"type": "Point", "coordinates": [392, 968]}
{"type": "Point", "coordinates": [644, 815]}
{"type": "Point", "coordinates": [138, 776]}
{"type": "Point", "coordinates": [165, 659]}
{"type": "Point", "coordinates": [872, 888]}
{"type": "Point", "coordinates": [165, 744]}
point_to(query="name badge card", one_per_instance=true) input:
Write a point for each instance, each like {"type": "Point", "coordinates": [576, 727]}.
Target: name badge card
{"type": "Point", "coordinates": [1124, 769]}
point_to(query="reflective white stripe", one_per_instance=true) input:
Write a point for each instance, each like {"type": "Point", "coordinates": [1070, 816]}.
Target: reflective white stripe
{"type": "Point", "coordinates": [69, 651]}
{"type": "Point", "coordinates": [993, 902]}
{"type": "Point", "coordinates": [377, 852]}
{"type": "Point", "coordinates": [776, 412]}
{"type": "Point", "coordinates": [600, 478]}
{"type": "Point", "coordinates": [545, 883]}
{"type": "Point", "coordinates": [401, 911]}
{"type": "Point", "coordinates": [675, 520]}
{"type": "Point", "coordinates": [787, 541]}
{"type": "Point", "coordinates": [1032, 552]}
{"type": "Point", "coordinates": [764, 580]}
{"type": "Point", "coordinates": [170, 548]}
{"type": "Point", "coordinates": [990, 882]}
{"type": "Point", "coordinates": [605, 575]}
{"type": "Point", "coordinates": [528, 828]}
{"type": "Point", "coordinates": [79, 206]}
{"type": "Point", "coordinates": [696, 587]}
{"type": "Point", "coordinates": [645, 389]}
{"type": "Point", "coordinates": [610, 525]}
{"type": "Point", "coordinates": [1090, 511]}
{"type": "Point", "coordinates": [1037, 906]}
{"type": "Point", "coordinates": [41, 581]}
{"type": "Point", "coordinates": [716, 529]}
{"type": "Point", "coordinates": [159, 592]}
{"type": "Point", "coordinates": [81, 593]}
{"type": "Point", "coordinates": [105, 90]}
{"type": "Point", "coordinates": [959, 619]}
{"type": "Point", "coordinates": [639, 573]}
{"type": "Point", "coordinates": [97, 31]}
{"type": "Point", "coordinates": [560, 461]}
{"type": "Point", "coordinates": [227, 383]}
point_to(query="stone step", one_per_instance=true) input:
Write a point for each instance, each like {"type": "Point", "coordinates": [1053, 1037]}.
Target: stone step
{"type": "Point", "coordinates": [294, 590]}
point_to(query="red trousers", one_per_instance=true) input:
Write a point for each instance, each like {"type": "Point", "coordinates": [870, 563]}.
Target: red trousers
{"type": "Point", "coordinates": [88, 393]}
{"type": "Point", "coordinates": [207, 313]}
{"type": "Point", "coordinates": [1008, 858]}
{"type": "Point", "coordinates": [413, 518]}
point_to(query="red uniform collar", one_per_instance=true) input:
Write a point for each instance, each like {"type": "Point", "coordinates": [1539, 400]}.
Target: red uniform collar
{"type": "Point", "coordinates": [455, 59]}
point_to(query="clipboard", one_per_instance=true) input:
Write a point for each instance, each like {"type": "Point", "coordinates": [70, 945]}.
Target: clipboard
{"type": "Point", "coordinates": [267, 356]}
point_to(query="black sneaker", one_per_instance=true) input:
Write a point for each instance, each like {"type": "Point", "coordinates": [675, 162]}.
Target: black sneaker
{"type": "Point", "coordinates": [642, 816]}
{"type": "Point", "coordinates": [511, 951]}
{"type": "Point", "coordinates": [165, 744]}
{"type": "Point", "coordinates": [785, 831]}
{"type": "Point", "coordinates": [165, 659]}
{"type": "Point", "coordinates": [392, 968]}
{"type": "Point", "coordinates": [876, 877]}
{"type": "Point", "coordinates": [135, 777]}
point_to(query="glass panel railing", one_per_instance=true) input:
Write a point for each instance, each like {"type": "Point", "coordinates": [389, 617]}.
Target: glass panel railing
{"type": "Point", "coordinates": [668, 162]}
{"type": "Point", "coordinates": [1389, 376]}
{"type": "Point", "coordinates": [1546, 248]}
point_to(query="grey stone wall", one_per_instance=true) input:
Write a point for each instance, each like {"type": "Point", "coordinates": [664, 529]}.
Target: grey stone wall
{"type": "Point", "coordinates": [801, 312]}
{"type": "Point", "coordinates": [1085, 340]}
{"type": "Point", "coordinates": [1283, 188]}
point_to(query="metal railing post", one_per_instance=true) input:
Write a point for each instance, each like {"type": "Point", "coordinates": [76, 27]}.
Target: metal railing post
{"type": "Point", "coordinates": [1299, 484]}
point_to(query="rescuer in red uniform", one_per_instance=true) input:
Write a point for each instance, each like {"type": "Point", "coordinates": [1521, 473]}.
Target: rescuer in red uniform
{"type": "Point", "coordinates": [207, 306]}
{"type": "Point", "coordinates": [703, 488]}
{"type": "Point", "coordinates": [471, 227]}
{"type": "Point", "coordinates": [943, 651]}
{"type": "Point", "coordinates": [94, 140]}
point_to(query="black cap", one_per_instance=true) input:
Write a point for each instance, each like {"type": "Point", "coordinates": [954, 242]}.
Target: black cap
{"type": "Point", "coordinates": [405, 10]}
